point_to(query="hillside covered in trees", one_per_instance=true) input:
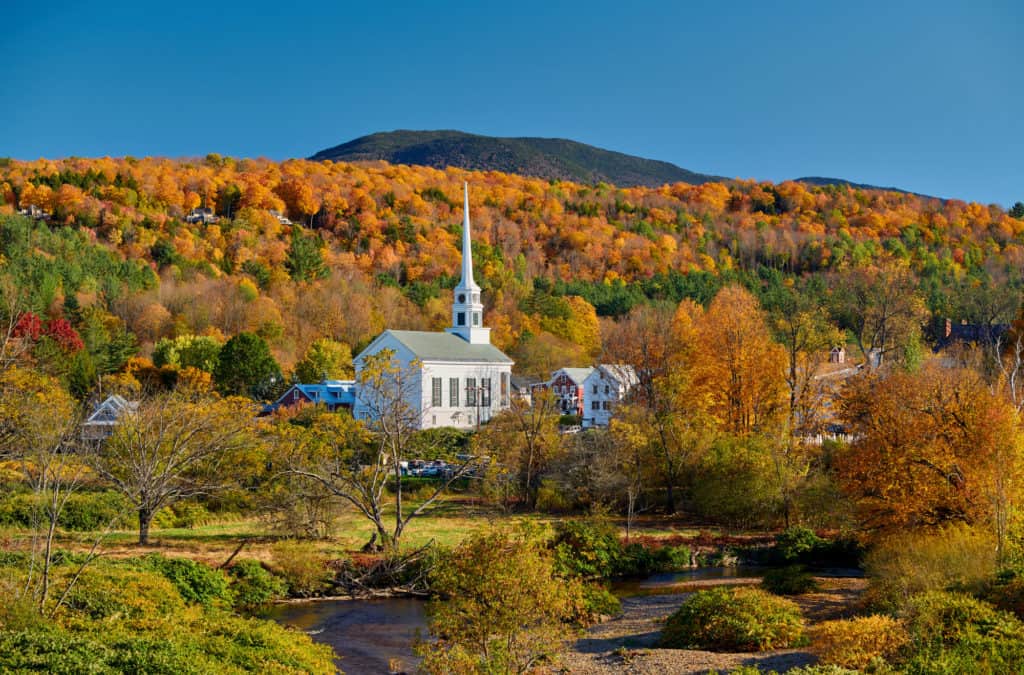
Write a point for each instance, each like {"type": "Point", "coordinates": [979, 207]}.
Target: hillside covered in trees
{"type": "Point", "coordinates": [116, 264]}
{"type": "Point", "coordinates": [548, 158]}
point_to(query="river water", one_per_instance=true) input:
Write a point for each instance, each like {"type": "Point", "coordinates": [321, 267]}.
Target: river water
{"type": "Point", "coordinates": [369, 634]}
{"type": "Point", "coordinates": [366, 634]}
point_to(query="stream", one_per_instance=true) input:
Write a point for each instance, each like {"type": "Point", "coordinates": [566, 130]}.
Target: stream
{"type": "Point", "coordinates": [368, 634]}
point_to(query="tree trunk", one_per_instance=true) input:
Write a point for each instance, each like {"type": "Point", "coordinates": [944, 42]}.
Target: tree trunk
{"type": "Point", "coordinates": [145, 518]}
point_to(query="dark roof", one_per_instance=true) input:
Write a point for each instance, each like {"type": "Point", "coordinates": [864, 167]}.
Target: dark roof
{"type": "Point", "coordinates": [971, 333]}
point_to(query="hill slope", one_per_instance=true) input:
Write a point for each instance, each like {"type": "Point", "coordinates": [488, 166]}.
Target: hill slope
{"type": "Point", "coordinates": [822, 181]}
{"type": "Point", "coordinates": [549, 158]}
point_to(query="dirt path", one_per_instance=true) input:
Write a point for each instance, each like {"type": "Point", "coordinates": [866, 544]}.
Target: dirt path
{"type": "Point", "coordinates": [625, 644]}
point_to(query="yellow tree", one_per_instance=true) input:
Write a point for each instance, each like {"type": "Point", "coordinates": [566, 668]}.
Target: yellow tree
{"type": "Point", "coordinates": [738, 369]}
{"type": "Point", "coordinates": [39, 431]}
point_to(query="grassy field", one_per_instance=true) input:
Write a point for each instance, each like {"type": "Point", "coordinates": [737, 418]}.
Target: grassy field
{"type": "Point", "coordinates": [445, 523]}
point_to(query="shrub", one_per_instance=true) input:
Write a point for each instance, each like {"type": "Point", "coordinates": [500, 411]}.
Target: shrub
{"type": "Point", "coordinates": [1006, 592]}
{"type": "Point", "coordinates": [303, 567]}
{"type": "Point", "coordinates": [671, 558]}
{"type": "Point", "coordinates": [908, 564]}
{"type": "Point", "coordinates": [854, 643]}
{"type": "Point", "coordinates": [195, 581]}
{"type": "Point", "coordinates": [120, 592]}
{"type": "Point", "coordinates": [796, 542]}
{"type": "Point", "coordinates": [789, 580]}
{"type": "Point", "coordinates": [734, 619]}
{"type": "Point", "coordinates": [551, 498]}
{"type": "Point", "coordinates": [589, 549]}
{"type": "Point", "coordinates": [953, 632]}
{"type": "Point", "coordinates": [502, 607]}
{"type": "Point", "coordinates": [597, 601]}
{"type": "Point", "coordinates": [253, 586]}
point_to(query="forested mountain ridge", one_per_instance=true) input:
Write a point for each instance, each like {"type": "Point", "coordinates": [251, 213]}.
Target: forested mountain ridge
{"type": "Point", "coordinates": [551, 158]}
{"type": "Point", "coordinates": [378, 246]}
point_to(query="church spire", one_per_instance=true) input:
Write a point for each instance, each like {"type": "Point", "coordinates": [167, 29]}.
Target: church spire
{"type": "Point", "coordinates": [467, 249]}
{"type": "Point", "coordinates": [467, 310]}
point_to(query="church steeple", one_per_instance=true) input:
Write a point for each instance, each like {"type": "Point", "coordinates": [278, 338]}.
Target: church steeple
{"type": "Point", "coordinates": [467, 248]}
{"type": "Point", "coordinates": [467, 310]}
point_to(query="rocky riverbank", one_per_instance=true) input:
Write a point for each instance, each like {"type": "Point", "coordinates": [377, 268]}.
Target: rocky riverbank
{"type": "Point", "coordinates": [625, 644]}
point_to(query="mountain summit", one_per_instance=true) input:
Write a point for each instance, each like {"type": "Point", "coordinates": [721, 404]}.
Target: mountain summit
{"type": "Point", "coordinates": [550, 158]}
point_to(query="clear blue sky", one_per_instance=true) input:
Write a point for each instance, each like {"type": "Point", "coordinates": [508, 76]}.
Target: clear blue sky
{"type": "Point", "coordinates": [927, 96]}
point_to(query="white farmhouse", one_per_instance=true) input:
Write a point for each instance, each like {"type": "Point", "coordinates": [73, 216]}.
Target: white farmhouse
{"type": "Point", "coordinates": [603, 389]}
{"type": "Point", "coordinates": [456, 378]}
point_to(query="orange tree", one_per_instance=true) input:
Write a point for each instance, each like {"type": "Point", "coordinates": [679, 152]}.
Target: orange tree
{"type": "Point", "coordinates": [929, 447]}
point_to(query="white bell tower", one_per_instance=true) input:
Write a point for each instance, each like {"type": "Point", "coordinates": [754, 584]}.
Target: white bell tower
{"type": "Point", "coordinates": [467, 310]}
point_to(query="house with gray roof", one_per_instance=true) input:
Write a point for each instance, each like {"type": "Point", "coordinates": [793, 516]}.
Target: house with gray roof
{"type": "Point", "coordinates": [106, 416]}
{"type": "Point", "coordinates": [605, 387]}
{"type": "Point", "coordinates": [455, 378]}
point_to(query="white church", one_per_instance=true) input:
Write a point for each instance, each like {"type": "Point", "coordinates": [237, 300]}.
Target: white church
{"type": "Point", "coordinates": [457, 377]}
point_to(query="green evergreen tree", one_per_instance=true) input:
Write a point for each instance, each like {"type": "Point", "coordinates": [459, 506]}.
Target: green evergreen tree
{"type": "Point", "coordinates": [246, 367]}
{"type": "Point", "coordinates": [305, 262]}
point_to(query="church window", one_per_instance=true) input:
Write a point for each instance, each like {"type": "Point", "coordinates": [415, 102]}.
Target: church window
{"type": "Point", "coordinates": [435, 394]}
{"type": "Point", "coordinates": [476, 298]}
{"type": "Point", "coordinates": [462, 298]}
{"type": "Point", "coordinates": [476, 318]}
{"type": "Point", "coordinates": [453, 392]}
{"type": "Point", "coordinates": [460, 319]}
{"type": "Point", "coordinates": [595, 406]}
{"type": "Point", "coordinates": [485, 392]}
{"type": "Point", "coordinates": [594, 390]}
{"type": "Point", "coordinates": [605, 405]}
{"type": "Point", "coordinates": [471, 391]}
{"type": "Point", "coordinates": [606, 388]}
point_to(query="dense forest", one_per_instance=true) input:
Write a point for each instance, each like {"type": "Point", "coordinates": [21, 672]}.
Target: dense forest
{"type": "Point", "coordinates": [196, 286]}
{"type": "Point", "coordinates": [303, 251]}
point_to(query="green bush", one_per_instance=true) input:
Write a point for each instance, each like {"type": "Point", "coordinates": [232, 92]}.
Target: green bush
{"type": "Point", "coordinates": [195, 582]}
{"type": "Point", "coordinates": [796, 542]}
{"type": "Point", "coordinates": [955, 633]}
{"type": "Point", "coordinates": [253, 586]}
{"type": "Point", "coordinates": [127, 617]}
{"type": "Point", "coordinates": [737, 485]}
{"type": "Point", "coordinates": [598, 601]}
{"type": "Point", "coordinates": [551, 498]}
{"type": "Point", "coordinates": [589, 549]}
{"type": "Point", "coordinates": [115, 591]}
{"type": "Point", "coordinates": [734, 619]}
{"type": "Point", "coordinates": [83, 512]}
{"type": "Point", "coordinates": [789, 580]}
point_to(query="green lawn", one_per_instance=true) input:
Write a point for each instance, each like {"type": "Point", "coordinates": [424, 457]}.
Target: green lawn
{"type": "Point", "coordinates": [446, 523]}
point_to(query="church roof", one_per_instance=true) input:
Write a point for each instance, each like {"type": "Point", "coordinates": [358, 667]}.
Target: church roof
{"type": "Point", "coordinates": [430, 346]}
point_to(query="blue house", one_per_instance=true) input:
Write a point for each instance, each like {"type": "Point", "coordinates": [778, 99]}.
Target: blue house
{"type": "Point", "coordinates": [332, 394]}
